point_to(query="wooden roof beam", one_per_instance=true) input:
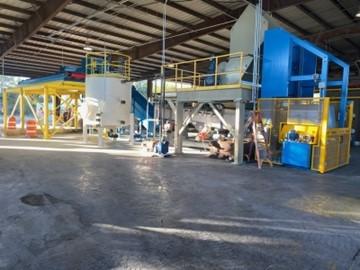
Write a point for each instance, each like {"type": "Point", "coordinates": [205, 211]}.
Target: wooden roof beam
{"type": "Point", "coordinates": [203, 17]}
{"type": "Point", "coordinates": [351, 29]}
{"type": "Point", "coordinates": [342, 9]}
{"type": "Point", "coordinates": [122, 16]}
{"type": "Point", "coordinates": [91, 38]}
{"type": "Point", "coordinates": [42, 58]}
{"type": "Point", "coordinates": [325, 24]}
{"type": "Point", "coordinates": [314, 16]}
{"type": "Point", "coordinates": [68, 41]}
{"type": "Point", "coordinates": [100, 30]}
{"type": "Point", "coordinates": [16, 9]}
{"type": "Point", "coordinates": [171, 19]}
{"type": "Point", "coordinates": [219, 7]}
{"type": "Point", "coordinates": [10, 71]}
{"type": "Point", "coordinates": [180, 37]}
{"type": "Point", "coordinates": [111, 23]}
{"type": "Point", "coordinates": [44, 14]}
{"type": "Point", "coordinates": [185, 10]}
{"type": "Point", "coordinates": [292, 25]}
{"type": "Point", "coordinates": [38, 60]}
{"type": "Point", "coordinates": [132, 19]}
{"type": "Point", "coordinates": [28, 63]}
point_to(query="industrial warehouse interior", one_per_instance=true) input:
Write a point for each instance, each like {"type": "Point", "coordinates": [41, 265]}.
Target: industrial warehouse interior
{"type": "Point", "coordinates": [180, 134]}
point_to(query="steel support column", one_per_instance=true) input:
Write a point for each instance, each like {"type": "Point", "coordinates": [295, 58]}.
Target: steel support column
{"type": "Point", "coordinates": [53, 111]}
{"type": "Point", "coordinates": [85, 132]}
{"type": "Point", "coordinates": [323, 135]}
{"type": "Point", "coordinates": [221, 118]}
{"type": "Point", "coordinates": [132, 128]}
{"type": "Point", "coordinates": [178, 125]}
{"type": "Point", "coordinates": [46, 114]}
{"type": "Point", "coordinates": [100, 136]}
{"type": "Point", "coordinates": [239, 132]}
{"type": "Point", "coordinates": [76, 112]}
{"type": "Point", "coordinates": [22, 110]}
{"type": "Point", "coordinates": [5, 110]}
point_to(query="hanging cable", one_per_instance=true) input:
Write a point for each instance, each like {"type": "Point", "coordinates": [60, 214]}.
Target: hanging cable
{"type": "Point", "coordinates": [163, 60]}
{"type": "Point", "coordinates": [256, 53]}
{"type": "Point", "coordinates": [62, 55]}
{"type": "Point", "coordinates": [2, 73]}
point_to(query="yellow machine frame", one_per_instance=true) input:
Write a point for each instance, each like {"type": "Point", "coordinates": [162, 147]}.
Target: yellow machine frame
{"type": "Point", "coordinates": [189, 79]}
{"type": "Point", "coordinates": [49, 90]}
{"type": "Point", "coordinates": [332, 145]}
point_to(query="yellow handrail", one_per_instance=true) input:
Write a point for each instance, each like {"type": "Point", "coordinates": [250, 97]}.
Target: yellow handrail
{"type": "Point", "coordinates": [115, 64]}
{"type": "Point", "coordinates": [191, 74]}
{"type": "Point", "coordinates": [207, 58]}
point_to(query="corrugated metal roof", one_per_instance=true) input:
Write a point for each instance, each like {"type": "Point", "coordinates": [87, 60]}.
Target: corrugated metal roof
{"type": "Point", "coordinates": [328, 12]}
{"type": "Point", "coordinates": [137, 22]}
{"type": "Point", "coordinates": [13, 14]}
{"type": "Point", "coordinates": [298, 17]}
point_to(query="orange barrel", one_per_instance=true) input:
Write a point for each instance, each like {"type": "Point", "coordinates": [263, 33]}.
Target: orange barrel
{"type": "Point", "coordinates": [12, 122]}
{"type": "Point", "coordinates": [31, 131]}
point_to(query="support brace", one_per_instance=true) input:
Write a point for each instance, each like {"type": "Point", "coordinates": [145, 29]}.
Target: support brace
{"type": "Point", "coordinates": [178, 121]}
{"type": "Point", "coordinates": [221, 118]}
{"type": "Point", "coordinates": [190, 117]}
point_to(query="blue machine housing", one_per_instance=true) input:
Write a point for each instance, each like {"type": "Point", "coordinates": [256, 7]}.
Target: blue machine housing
{"type": "Point", "coordinates": [162, 147]}
{"type": "Point", "coordinates": [296, 154]}
{"type": "Point", "coordinates": [65, 73]}
{"type": "Point", "coordinates": [142, 109]}
{"type": "Point", "coordinates": [290, 69]}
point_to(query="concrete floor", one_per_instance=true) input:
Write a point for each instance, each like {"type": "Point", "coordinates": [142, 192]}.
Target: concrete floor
{"type": "Point", "coordinates": [111, 209]}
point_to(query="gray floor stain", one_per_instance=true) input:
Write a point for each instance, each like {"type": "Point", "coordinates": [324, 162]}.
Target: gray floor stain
{"type": "Point", "coordinates": [39, 199]}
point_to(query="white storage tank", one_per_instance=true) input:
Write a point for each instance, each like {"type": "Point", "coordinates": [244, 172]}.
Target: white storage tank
{"type": "Point", "coordinates": [111, 98]}
{"type": "Point", "coordinates": [108, 92]}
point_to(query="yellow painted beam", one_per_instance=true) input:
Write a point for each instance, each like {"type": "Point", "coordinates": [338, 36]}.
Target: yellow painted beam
{"type": "Point", "coordinates": [15, 106]}
{"type": "Point", "coordinates": [22, 110]}
{"type": "Point", "coordinates": [65, 87]}
{"type": "Point", "coordinates": [5, 109]}
{"type": "Point", "coordinates": [323, 135]}
{"type": "Point", "coordinates": [76, 116]}
{"type": "Point", "coordinates": [53, 111]}
{"type": "Point", "coordinates": [350, 121]}
{"type": "Point", "coordinates": [46, 114]}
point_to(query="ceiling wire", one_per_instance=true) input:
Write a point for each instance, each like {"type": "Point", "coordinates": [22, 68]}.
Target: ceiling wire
{"type": "Point", "coordinates": [120, 4]}
{"type": "Point", "coordinates": [69, 27]}
{"type": "Point", "coordinates": [163, 82]}
{"type": "Point", "coordinates": [132, 6]}
{"type": "Point", "coordinates": [114, 12]}
{"type": "Point", "coordinates": [90, 16]}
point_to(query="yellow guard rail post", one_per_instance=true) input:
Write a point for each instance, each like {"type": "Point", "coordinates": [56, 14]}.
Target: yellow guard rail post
{"type": "Point", "coordinates": [323, 135]}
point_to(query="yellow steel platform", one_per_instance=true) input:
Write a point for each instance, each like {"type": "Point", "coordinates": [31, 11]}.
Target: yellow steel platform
{"type": "Point", "coordinates": [61, 95]}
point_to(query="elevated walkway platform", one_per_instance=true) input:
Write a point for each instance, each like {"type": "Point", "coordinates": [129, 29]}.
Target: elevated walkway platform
{"type": "Point", "coordinates": [213, 94]}
{"type": "Point", "coordinates": [223, 78]}
{"type": "Point", "coordinates": [61, 87]}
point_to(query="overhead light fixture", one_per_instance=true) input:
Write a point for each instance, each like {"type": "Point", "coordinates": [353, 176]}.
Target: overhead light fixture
{"type": "Point", "coordinates": [358, 13]}
{"type": "Point", "coordinates": [87, 48]}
